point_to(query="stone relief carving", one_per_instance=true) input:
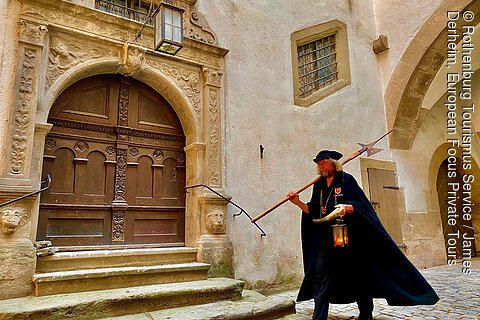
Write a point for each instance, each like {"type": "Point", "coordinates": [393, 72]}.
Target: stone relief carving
{"type": "Point", "coordinates": [216, 222]}
{"type": "Point", "coordinates": [213, 140]}
{"type": "Point", "coordinates": [212, 76]}
{"type": "Point", "coordinates": [198, 56]}
{"type": "Point", "coordinates": [200, 30]}
{"type": "Point", "coordinates": [187, 80]}
{"type": "Point", "coordinates": [22, 112]}
{"type": "Point", "coordinates": [181, 157]}
{"type": "Point", "coordinates": [65, 54]}
{"type": "Point", "coordinates": [132, 59]}
{"type": "Point", "coordinates": [11, 219]}
{"type": "Point", "coordinates": [32, 32]}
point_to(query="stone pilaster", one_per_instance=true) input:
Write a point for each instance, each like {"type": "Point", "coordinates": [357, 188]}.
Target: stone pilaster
{"type": "Point", "coordinates": [214, 246]}
{"type": "Point", "coordinates": [20, 169]}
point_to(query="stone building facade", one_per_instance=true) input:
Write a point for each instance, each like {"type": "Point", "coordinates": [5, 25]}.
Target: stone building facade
{"type": "Point", "coordinates": [234, 122]}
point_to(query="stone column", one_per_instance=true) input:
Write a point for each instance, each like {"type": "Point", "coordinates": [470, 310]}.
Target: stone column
{"type": "Point", "coordinates": [20, 165]}
{"type": "Point", "coordinates": [214, 246]}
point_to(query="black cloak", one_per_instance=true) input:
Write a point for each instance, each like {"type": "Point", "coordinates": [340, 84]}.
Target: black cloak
{"type": "Point", "coordinates": [371, 266]}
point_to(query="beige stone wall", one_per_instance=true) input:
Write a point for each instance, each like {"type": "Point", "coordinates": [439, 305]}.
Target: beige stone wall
{"type": "Point", "coordinates": [259, 110]}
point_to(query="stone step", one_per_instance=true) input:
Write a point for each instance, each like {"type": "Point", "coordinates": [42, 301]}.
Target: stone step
{"type": "Point", "coordinates": [252, 306]}
{"type": "Point", "coordinates": [113, 278]}
{"type": "Point", "coordinates": [118, 302]}
{"type": "Point", "coordinates": [75, 260]}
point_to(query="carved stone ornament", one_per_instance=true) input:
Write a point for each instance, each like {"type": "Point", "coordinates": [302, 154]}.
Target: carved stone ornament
{"type": "Point", "coordinates": [213, 140]}
{"type": "Point", "coordinates": [22, 112]}
{"type": "Point", "coordinates": [11, 219]}
{"type": "Point", "coordinates": [216, 222]}
{"type": "Point", "coordinates": [32, 32]}
{"type": "Point", "coordinates": [187, 80]}
{"type": "Point", "coordinates": [65, 54]}
{"type": "Point", "coordinates": [133, 152]}
{"type": "Point", "coordinates": [200, 30]}
{"type": "Point", "coordinates": [212, 76]}
{"type": "Point", "coordinates": [132, 59]}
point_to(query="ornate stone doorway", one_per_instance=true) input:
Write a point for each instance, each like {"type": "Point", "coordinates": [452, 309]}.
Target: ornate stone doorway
{"type": "Point", "coordinates": [116, 157]}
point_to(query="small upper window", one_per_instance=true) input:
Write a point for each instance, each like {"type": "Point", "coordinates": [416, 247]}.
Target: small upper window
{"type": "Point", "coordinates": [320, 62]}
{"type": "Point", "coordinates": [317, 65]}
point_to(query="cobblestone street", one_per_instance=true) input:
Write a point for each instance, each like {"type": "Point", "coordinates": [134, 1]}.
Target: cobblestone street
{"type": "Point", "coordinates": [459, 299]}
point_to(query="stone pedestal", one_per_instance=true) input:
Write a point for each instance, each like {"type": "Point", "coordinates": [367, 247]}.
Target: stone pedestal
{"type": "Point", "coordinates": [217, 250]}
{"type": "Point", "coordinates": [18, 266]}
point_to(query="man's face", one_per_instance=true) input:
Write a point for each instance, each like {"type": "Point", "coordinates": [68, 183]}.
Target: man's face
{"type": "Point", "coordinates": [325, 168]}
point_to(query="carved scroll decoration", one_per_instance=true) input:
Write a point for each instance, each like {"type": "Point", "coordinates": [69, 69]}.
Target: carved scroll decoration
{"type": "Point", "coordinates": [22, 113]}
{"type": "Point", "coordinates": [200, 30]}
{"type": "Point", "coordinates": [187, 80]}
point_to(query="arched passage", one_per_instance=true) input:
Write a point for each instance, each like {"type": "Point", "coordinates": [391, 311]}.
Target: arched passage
{"type": "Point", "coordinates": [123, 143]}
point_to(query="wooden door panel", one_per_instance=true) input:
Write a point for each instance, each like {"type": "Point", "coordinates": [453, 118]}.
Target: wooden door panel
{"type": "Point", "coordinates": [155, 226]}
{"type": "Point", "coordinates": [384, 197]}
{"type": "Point", "coordinates": [78, 227]}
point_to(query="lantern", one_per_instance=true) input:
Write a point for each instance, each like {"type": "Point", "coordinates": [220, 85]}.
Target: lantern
{"type": "Point", "coordinates": [169, 28]}
{"type": "Point", "coordinates": [340, 234]}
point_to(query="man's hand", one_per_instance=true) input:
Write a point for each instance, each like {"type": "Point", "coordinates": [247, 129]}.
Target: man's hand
{"type": "Point", "coordinates": [344, 209]}
{"type": "Point", "coordinates": [294, 198]}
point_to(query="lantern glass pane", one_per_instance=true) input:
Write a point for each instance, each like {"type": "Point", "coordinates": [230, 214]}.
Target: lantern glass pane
{"type": "Point", "coordinates": [177, 19]}
{"type": "Point", "coordinates": [177, 35]}
{"type": "Point", "coordinates": [168, 16]}
{"type": "Point", "coordinates": [168, 32]}
{"type": "Point", "coordinates": [158, 29]}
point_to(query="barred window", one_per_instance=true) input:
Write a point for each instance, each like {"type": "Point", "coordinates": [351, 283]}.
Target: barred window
{"type": "Point", "coordinates": [320, 62]}
{"type": "Point", "coordinates": [317, 65]}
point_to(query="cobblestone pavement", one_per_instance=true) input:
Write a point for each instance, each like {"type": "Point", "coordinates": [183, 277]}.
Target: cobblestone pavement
{"type": "Point", "coordinates": [459, 299]}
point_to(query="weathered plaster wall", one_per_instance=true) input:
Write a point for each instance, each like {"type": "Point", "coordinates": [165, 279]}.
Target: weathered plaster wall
{"type": "Point", "coordinates": [400, 23]}
{"type": "Point", "coordinates": [259, 110]}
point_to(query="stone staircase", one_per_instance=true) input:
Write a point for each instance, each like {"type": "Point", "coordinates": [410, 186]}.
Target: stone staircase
{"type": "Point", "coordinates": [155, 283]}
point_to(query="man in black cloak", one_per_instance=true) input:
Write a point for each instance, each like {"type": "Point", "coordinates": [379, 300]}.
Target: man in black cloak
{"type": "Point", "coordinates": [371, 266]}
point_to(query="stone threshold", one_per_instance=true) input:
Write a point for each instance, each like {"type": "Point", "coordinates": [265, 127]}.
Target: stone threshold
{"type": "Point", "coordinates": [252, 306]}
{"type": "Point", "coordinates": [118, 302]}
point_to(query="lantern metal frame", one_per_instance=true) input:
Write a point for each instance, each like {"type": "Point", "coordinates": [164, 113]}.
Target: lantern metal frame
{"type": "Point", "coordinates": [162, 43]}
{"type": "Point", "coordinates": [340, 234]}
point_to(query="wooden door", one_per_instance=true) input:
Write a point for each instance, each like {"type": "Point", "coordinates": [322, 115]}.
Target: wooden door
{"type": "Point", "coordinates": [115, 154]}
{"type": "Point", "coordinates": [384, 198]}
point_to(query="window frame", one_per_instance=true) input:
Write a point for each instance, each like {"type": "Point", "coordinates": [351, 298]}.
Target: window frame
{"type": "Point", "coordinates": [314, 33]}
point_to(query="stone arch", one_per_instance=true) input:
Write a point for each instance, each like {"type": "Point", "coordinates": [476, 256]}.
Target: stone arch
{"type": "Point", "coordinates": [416, 70]}
{"type": "Point", "coordinates": [147, 74]}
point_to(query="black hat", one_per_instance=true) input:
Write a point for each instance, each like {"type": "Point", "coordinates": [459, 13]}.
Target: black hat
{"type": "Point", "coordinates": [327, 154]}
